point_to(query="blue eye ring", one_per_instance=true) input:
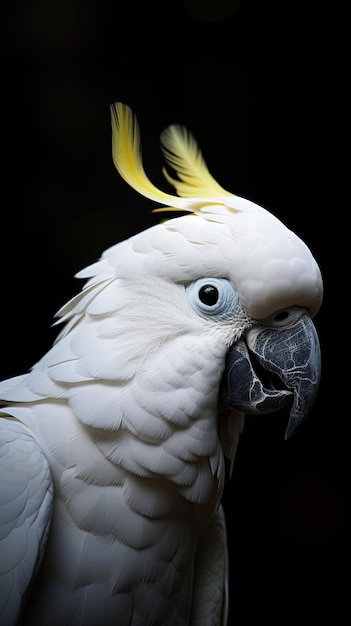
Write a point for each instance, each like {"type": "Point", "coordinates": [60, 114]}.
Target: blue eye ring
{"type": "Point", "coordinates": [212, 297]}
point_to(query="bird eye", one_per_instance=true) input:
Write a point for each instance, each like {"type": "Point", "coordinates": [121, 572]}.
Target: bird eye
{"type": "Point", "coordinates": [211, 297]}
{"type": "Point", "coordinates": [284, 317]}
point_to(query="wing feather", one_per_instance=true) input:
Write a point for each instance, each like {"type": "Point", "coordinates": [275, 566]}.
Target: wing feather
{"type": "Point", "coordinates": [25, 512]}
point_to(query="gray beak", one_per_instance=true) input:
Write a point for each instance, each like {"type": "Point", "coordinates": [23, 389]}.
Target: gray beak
{"type": "Point", "coordinates": [270, 368]}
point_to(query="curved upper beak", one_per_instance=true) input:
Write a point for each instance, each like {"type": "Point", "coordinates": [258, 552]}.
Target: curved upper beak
{"type": "Point", "coordinates": [269, 368]}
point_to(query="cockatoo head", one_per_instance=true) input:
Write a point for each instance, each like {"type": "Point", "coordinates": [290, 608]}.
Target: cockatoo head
{"type": "Point", "coordinates": [234, 268]}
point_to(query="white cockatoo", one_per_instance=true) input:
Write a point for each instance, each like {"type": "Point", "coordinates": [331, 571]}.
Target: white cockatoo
{"type": "Point", "coordinates": [113, 445]}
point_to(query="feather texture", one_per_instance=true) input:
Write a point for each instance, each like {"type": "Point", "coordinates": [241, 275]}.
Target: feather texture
{"type": "Point", "coordinates": [126, 154]}
{"type": "Point", "coordinates": [182, 153]}
{"type": "Point", "coordinates": [26, 502]}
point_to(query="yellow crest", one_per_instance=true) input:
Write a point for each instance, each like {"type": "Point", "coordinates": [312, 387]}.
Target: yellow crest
{"type": "Point", "coordinates": [195, 186]}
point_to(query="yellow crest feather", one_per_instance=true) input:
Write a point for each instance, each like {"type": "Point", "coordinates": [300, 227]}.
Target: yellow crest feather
{"type": "Point", "coordinates": [126, 153]}
{"type": "Point", "coordinates": [196, 187]}
{"type": "Point", "coordinates": [183, 154]}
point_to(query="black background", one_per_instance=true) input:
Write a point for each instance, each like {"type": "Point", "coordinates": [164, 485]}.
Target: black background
{"type": "Point", "coordinates": [259, 85]}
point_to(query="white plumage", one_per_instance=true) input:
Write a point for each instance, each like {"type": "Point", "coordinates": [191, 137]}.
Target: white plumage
{"type": "Point", "coordinates": [115, 441]}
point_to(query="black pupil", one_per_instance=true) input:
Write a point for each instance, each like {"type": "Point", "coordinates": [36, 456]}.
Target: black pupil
{"type": "Point", "coordinates": [208, 295]}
